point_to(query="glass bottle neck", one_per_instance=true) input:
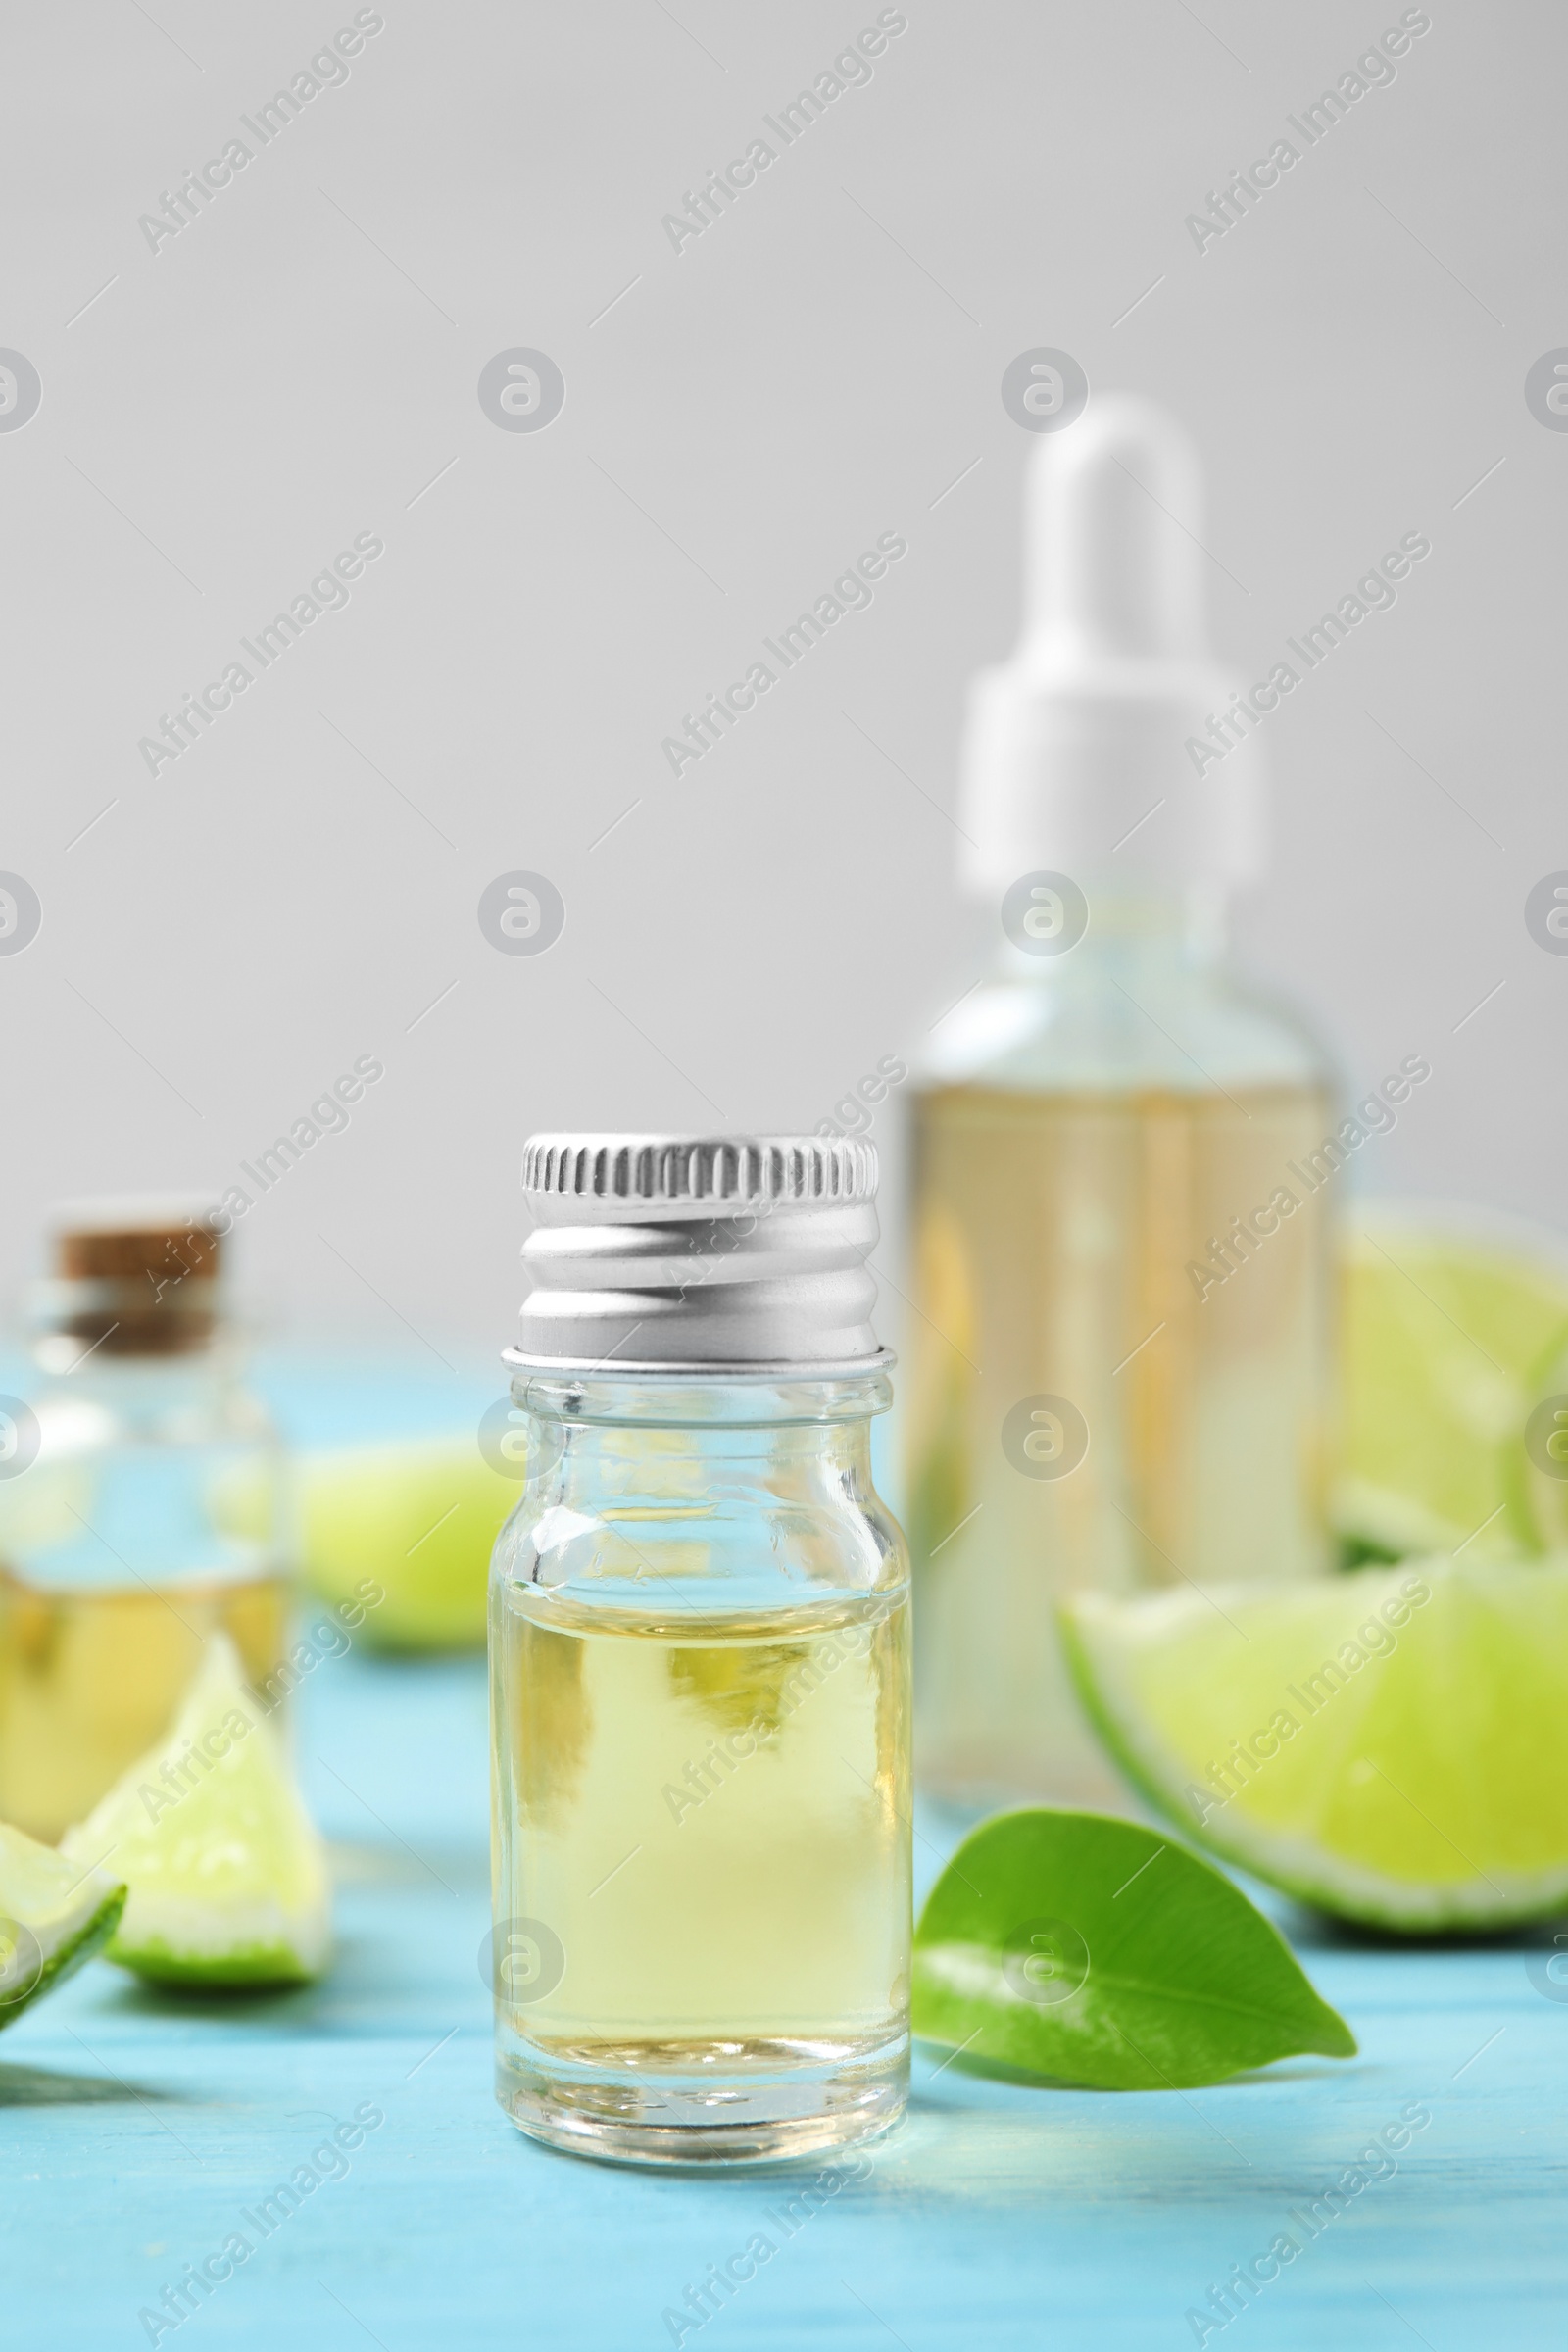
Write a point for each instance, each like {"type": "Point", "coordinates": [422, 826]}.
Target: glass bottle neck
{"type": "Point", "coordinates": [673, 1436]}
{"type": "Point", "coordinates": [133, 1328]}
{"type": "Point", "coordinates": [703, 1402]}
{"type": "Point", "coordinates": [65, 1358]}
{"type": "Point", "coordinates": [707, 1491]}
{"type": "Point", "coordinates": [1129, 932]}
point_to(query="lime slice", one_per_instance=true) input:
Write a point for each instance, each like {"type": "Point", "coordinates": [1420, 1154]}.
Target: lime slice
{"type": "Point", "coordinates": [413, 1522]}
{"type": "Point", "coordinates": [53, 1916]}
{"type": "Point", "coordinates": [1391, 1744]}
{"type": "Point", "coordinates": [1445, 1324]}
{"type": "Point", "coordinates": [226, 1872]}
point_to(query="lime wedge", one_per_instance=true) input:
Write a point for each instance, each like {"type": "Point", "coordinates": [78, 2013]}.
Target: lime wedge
{"type": "Point", "coordinates": [226, 1872]}
{"type": "Point", "coordinates": [53, 1916]}
{"type": "Point", "coordinates": [1444, 1333]}
{"type": "Point", "coordinates": [1391, 1744]}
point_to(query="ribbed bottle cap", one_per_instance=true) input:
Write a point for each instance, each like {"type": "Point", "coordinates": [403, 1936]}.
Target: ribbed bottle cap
{"type": "Point", "coordinates": [689, 1252]}
{"type": "Point", "coordinates": [677, 1172]}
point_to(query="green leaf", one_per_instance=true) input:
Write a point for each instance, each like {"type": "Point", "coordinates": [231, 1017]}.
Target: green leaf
{"type": "Point", "coordinates": [1079, 1948]}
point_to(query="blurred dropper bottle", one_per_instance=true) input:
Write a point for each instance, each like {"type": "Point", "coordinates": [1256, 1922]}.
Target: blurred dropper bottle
{"type": "Point", "coordinates": [1117, 1372]}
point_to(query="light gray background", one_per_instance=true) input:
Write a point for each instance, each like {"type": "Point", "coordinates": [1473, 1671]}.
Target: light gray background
{"type": "Point", "coordinates": [301, 363]}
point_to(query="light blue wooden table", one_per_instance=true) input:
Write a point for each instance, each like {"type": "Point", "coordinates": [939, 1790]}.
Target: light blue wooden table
{"type": "Point", "coordinates": [138, 2133]}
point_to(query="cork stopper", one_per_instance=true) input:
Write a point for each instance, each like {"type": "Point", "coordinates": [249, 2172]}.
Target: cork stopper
{"type": "Point", "coordinates": [135, 1277]}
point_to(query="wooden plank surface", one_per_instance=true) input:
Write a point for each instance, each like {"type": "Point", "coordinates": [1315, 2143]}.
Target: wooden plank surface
{"type": "Point", "coordinates": [138, 2132]}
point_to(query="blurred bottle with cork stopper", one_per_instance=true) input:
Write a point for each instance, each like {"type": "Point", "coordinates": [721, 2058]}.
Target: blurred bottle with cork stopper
{"type": "Point", "coordinates": [115, 1569]}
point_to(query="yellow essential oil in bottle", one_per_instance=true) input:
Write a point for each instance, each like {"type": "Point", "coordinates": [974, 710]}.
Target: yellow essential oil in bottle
{"type": "Point", "coordinates": [116, 1561]}
{"type": "Point", "coordinates": [700, 1664]}
{"type": "Point", "coordinates": [1118, 1366]}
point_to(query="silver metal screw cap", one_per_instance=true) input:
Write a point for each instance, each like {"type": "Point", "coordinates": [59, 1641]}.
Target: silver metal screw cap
{"type": "Point", "coordinates": [689, 1252]}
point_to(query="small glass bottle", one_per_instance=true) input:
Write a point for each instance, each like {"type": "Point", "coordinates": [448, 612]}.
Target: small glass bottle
{"type": "Point", "coordinates": [117, 1558]}
{"type": "Point", "coordinates": [1119, 1367]}
{"type": "Point", "coordinates": [699, 1647]}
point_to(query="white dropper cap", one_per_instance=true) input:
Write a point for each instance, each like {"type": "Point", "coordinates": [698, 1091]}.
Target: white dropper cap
{"type": "Point", "coordinates": [1074, 740]}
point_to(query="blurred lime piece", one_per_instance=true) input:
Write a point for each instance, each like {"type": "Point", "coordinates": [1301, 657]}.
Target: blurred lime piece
{"type": "Point", "coordinates": [419, 1518]}
{"type": "Point", "coordinates": [1443, 1336]}
{"type": "Point", "coordinates": [226, 1871]}
{"type": "Point", "coordinates": [1390, 1746]}
{"type": "Point", "coordinates": [1543, 1466]}
{"type": "Point", "coordinates": [53, 1917]}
